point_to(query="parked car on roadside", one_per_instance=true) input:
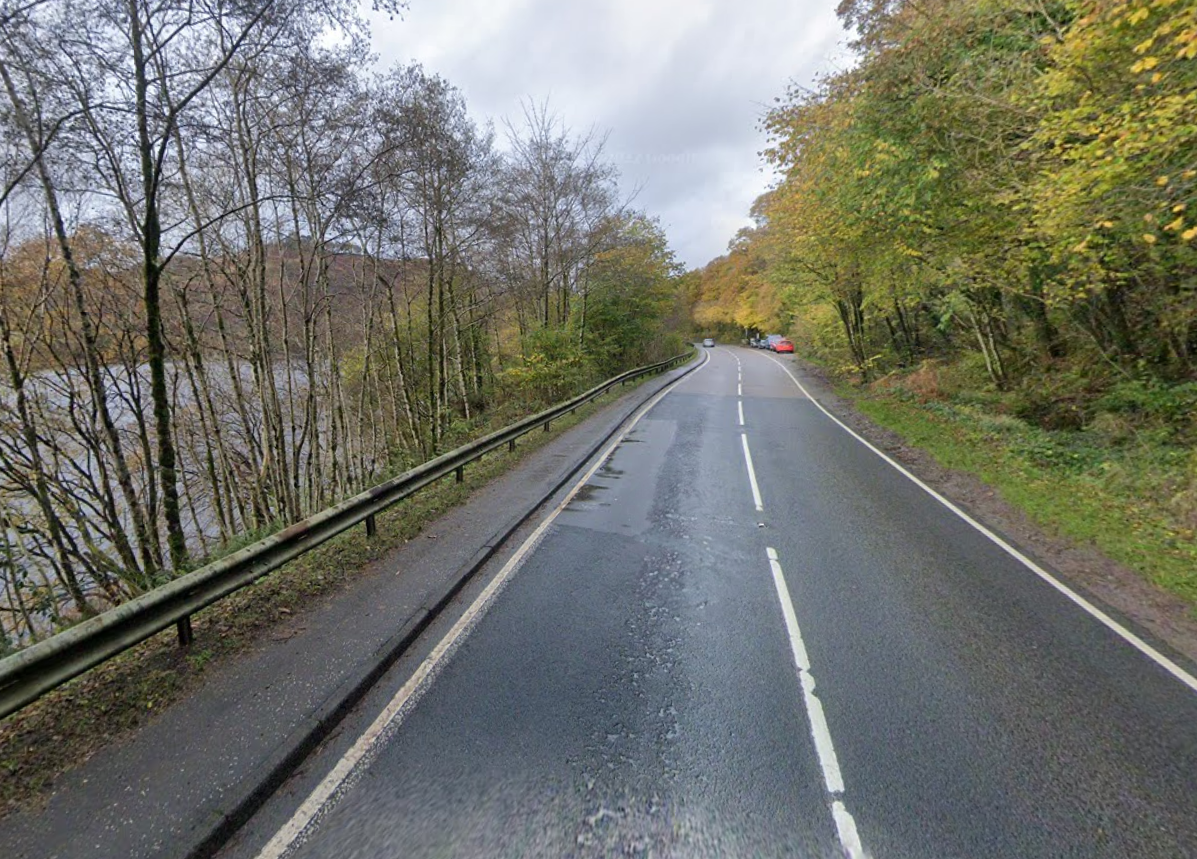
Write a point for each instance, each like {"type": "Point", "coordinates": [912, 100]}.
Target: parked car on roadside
{"type": "Point", "coordinates": [770, 340]}
{"type": "Point", "coordinates": [783, 345]}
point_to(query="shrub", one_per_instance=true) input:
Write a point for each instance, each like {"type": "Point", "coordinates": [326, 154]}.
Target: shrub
{"type": "Point", "coordinates": [554, 368]}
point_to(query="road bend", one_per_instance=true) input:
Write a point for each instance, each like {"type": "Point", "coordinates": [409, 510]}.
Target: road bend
{"type": "Point", "coordinates": [747, 634]}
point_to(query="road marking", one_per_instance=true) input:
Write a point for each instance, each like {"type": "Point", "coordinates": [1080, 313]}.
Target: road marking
{"type": "Point", "coordinates": [833, 778]}
{"type": "Point", "coordinates": [740, 408]}
{"type": "Point", "coordinates": [756, 489]}
{"type": "Point", "coordinates": [846, 827]}
{"type": "Point", "coordinates": [739, 389]}
{"type": "Point", "coordinates": [1114, 626]}
{"type": "Point", "coordinates": [295, 830]}
{"type": "Point", "coordinates": [814, 707]}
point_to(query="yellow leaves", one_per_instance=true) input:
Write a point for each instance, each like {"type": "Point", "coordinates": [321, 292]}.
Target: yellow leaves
{"type": "Point", "coordinates": [1186, 39]}
{"type": "Point", "coordinates": [1145, 65]}
{"type": "Point", "coordinates": [1189, 234]}
{"type": "Point", "coordinates": [1165, 28]}
{"type": "Point", "coordinates": [1144, 46]}
{"type": "Point", "coordinates": [1178, 208]}
{"type": "Point", "coordinates": [1149, 238]}
{"type": "Point", "coordinates": [1162, 181]}
{"type": "Point", "coordinates": [1174, 226]}
{"type": "Point", "coordinates": [1138, 16]}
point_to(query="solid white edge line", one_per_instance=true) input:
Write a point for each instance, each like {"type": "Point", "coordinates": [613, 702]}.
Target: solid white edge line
{"type": "Point", "coordinates": [292, 832]}
{"type": "Point", "coordinates": [756, 490]}
{"type": "Point", "coordinates": [1114, 626]}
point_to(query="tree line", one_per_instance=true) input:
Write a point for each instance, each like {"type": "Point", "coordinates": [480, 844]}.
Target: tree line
{"type": "Point", "coordinates": [1004, 184]}
{"type": "Point", "coordinates": [243, 274]}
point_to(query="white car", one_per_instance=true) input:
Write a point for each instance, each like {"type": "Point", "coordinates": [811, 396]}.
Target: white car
{"type": "Point", "coordinates": [708, 343]}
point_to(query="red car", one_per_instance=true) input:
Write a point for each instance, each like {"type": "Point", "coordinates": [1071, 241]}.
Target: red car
{"type": "Point", "coordinates": [783, 345]}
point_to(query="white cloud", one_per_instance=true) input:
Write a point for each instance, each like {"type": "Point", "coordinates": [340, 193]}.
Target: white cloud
{"type": "Point", "coordinates": [679, 86]}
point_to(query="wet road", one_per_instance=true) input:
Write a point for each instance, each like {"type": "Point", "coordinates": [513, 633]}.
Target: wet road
{"type": "Point", "coordinates": [748, 635]}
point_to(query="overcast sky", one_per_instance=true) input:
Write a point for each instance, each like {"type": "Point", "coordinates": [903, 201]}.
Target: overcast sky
{"type": "Point", "coordinates": [678, 86]}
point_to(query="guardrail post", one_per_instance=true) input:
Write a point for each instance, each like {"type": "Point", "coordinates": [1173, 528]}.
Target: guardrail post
{"type": "Point", "coordinates": [511, 446]}
{"type": "Point", "coordinates": [186, 636]}
{"type": "Point", "coordinates": [460, 473]}
{"type": "Point", "coordinates": [546, 425]}
{"type": "Point", "coordinates": [371, 526]}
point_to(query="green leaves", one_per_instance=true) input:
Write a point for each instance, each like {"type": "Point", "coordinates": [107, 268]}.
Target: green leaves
{"type": "Point", "coordinates": [1018, 169]}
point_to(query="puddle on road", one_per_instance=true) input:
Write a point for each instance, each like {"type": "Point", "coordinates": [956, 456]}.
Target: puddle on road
{"type": "Point", "coordinates": [587, 492]}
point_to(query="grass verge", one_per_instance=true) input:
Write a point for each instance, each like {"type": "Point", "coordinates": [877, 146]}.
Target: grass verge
{"type": "Point", "coordinates": [1130, 500]}
{"type": "Point", "coordinates": [70, 724]}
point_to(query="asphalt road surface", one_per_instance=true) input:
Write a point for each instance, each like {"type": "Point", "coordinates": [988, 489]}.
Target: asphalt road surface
{"type": "Point", "coordinates": [748, 634]}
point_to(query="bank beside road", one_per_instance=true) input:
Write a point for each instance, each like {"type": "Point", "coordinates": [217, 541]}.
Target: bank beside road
{"type": "Point", "coordinates": [1108, 518]}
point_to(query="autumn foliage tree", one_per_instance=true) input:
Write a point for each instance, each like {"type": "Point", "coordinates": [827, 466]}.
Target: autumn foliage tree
{"type": "Point", "coordinates": [242, 276]}
{"type": "Point", "coordinates": [1006, 182]}
{"type": "Point", "coordinates": [1116, 191]}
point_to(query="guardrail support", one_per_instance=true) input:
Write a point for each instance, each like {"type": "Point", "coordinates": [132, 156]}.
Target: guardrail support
{"type": "Point", "coordinates": [546, 425]}
{"type": "Point", "coordinates": [460, 473]}
{"type": "Point", "coordinates": [511, 446]}
{"type": "Point", "coordinates": [371, 526]}
{"type": "Point", "coordinates": [186, 636]}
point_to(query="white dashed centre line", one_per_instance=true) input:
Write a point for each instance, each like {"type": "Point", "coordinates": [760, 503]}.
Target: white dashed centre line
{"type": "Point", "coordinates": [740, 408]}
{"type": "Point", "coordinates": [833, 778]}
{"type": "Point", "coordinates": [756, 489]}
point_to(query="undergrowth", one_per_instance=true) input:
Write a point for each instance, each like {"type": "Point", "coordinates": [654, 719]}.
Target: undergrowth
{"type": "Point", "coordinates": [1114, 466]}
